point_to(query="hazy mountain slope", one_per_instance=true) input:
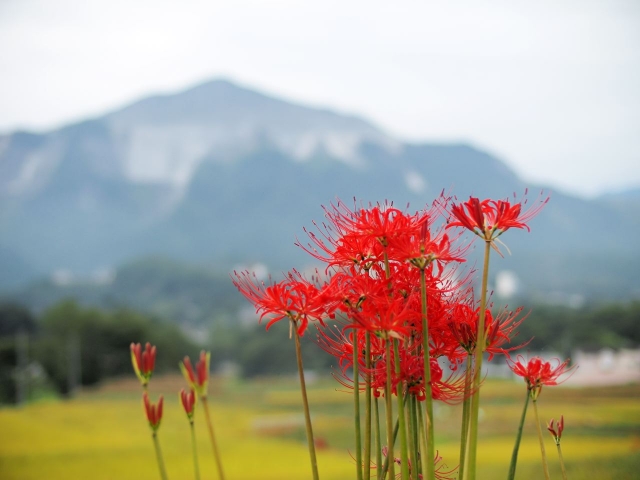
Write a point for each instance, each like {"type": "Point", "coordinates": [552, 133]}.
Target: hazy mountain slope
{"type": "Point", "coordinates": [224, 175]}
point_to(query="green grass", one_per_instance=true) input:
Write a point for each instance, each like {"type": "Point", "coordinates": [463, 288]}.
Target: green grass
{"type": "Point", "coordinates": [103, 434]}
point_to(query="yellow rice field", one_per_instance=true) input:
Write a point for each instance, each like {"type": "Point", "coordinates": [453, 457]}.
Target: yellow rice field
{"type": "Point", "coordinates": [103, 434]}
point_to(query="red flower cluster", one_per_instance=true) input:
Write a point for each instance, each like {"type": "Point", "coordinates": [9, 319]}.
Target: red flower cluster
{"type": "Point", "coordinates": [153, 411]}
{"type": "Point", "coordinates": [143, 362]}
{"type": "Point", "coordinates": [188, 401]}
{"type": "Point", "coordinates": [556, 433]}
{"type": "Point", "coordinates": [375, 258]}
{"type": "Point", "coordinates": [197, 379]}
{"type": "Point", "coordinates": [536, 373]}
{"type": "Point", "coordinates": [491, 218]}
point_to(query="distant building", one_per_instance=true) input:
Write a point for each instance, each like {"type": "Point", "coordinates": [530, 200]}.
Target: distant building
{"type": "Point", "coordinates": [606, 367]}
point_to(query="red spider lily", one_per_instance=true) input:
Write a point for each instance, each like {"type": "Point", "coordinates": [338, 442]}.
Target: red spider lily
{"type": "Point", "coordinates": [536, 373]}
{"type": "Point", "coordinates": [188, 401]}
{"type": "Point", "coordinates": [385, 316]}
{"type": "Point", "coordinates": [153, 411]}
{"type": "Point", "coordinates": [294, 298]}
{"type": "Point", "coordinates": [499, 330]}
{"type": "Point", "coordinates": [340, 345]}
{"type": "Point", "coordinates": [358, 237]}
{"type": "Point", "coordinates": [351, 289]}
{"type": "Point", "coordinates": [349, 249]}
{"type": "Point", "coordinates": [491, 218]}
{"type": "Point", "coordinates": [197, 379]}
{"type": "Point", "coordinates": [384, 223]}
{"type": "Point", "coordinates": [556, 434]}
{"type": "Point", "coordinates": [449, 390]}
{"type": "Point", "coordinates": [143, 362]}
{"type": "Point", "coordinates": [417, 245]}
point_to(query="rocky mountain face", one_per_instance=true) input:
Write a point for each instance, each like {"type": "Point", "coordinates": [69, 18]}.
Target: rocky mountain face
{"type": "Point", "coordinates": [222, 175]}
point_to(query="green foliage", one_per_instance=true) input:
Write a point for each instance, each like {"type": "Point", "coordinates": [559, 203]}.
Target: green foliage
{"type": "Point", "coordinates": [14, 320]}
{"type": "Point", "coordinates": [102, 339]}
{"type": "Point", "coordinates": [590, 327]}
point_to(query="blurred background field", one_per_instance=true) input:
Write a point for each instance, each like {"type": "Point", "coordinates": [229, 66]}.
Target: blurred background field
{"type": "Point", "coordinates": [103, 434]}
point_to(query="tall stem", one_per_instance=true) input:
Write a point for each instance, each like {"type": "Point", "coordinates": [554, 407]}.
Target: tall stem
{"type": "Point", "coordinates": [516, 446]}
{"type": "Point", "coordinates": [156, 444]}
{"type": "Point", "coordinates": [423, 440]}
{"type": "Point", "coordinates": [305, 403]}
{"type": "Point", "coordinates": [385, 466]}
{"type": "Point", "coordinates": [564, 472]}
{"type": "Point", "coordinates": [404, 452]}
{"type": "Point", "coordinates": [413, 438]}
{"type": "Point", "coordinates": [470, 469]}
{"type": "Point", "coordinates": [212, 437]}
{"type": "Point", "coordinates": [389, 411]}
{"type": "Point", "coordinates": [464, 429]}
{"type": "Point", "coordinates": [542, 451]}
{"type": "Point", "coordinates": [428, 468]}
{"type": "Point", "coordinates": [367, 414]}
{"type": "Point", "coordinates": [378, 437]}
{"type": "Point", "coordinates": [195, 450]}
{"type": "Point", "coordinates": [356, 405]}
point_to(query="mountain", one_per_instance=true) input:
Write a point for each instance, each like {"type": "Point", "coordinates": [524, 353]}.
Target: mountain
{"type": "Point", "coordinates": [222, 175]}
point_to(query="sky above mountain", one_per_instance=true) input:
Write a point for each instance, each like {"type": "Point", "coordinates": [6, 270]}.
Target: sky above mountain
{"type": "Point", "coordinates": [550, 87]}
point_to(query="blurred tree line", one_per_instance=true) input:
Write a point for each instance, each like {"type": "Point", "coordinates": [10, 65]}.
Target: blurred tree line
{"type": "Point", "coordinates": [592, 327]}
{"type": "Point", "coordinates": [80, 346]}
{"type": "Point", "coordinates": [77, 346]}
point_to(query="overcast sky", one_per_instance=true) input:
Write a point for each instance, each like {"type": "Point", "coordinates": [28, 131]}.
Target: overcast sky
{"type": "Point", "coordinates": [551, 87]}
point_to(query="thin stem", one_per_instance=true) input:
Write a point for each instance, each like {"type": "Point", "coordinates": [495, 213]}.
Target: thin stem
{"type": "Point", "coordinates": [423, 439]}
{"type": "Point", "coordinates": [464, 429]}
{"type": "Point", "coordinates": [542, 451]}
{"type": "Point", "coordinates": [429, 454]}
{"type": "Point", "coordinates": [413, 437]}
{"type": "Point", "coordinates": [212, 437]}
{"type": "Point", "coordinates": [389, 411]}
{"type": "Point", "coordinates": [376, 425]}
{"type": "Point", "coordinates": [367, 414]}
{"type": "Point", "coordinates": [564, 472]}
{"type": "Point", "coordinates": [404, 452]}
{"type": "Point", "coordinates": [385, 467]}
{"type": "Point", "coordinates": [470, 472]}
{"type": "Point", "coordinates": [516, 446]}
{"type": "Point", "coordinates": [156, 444]}
{"type": "Point", "coordinates": [195, 450]}
{"type": "Point", "coordinates": [356, 405]}
{"type": "Point", "coordinates": [305, 404]}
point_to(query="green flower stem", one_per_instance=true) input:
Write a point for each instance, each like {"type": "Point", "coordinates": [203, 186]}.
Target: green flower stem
{"type": "Point", "coordinates": [404, 452]}
{"type": "Point", "coordinates": [564, 472]}
{"type": "Point", "coordinates": [305, 403]}
{"type": "Point", "coordinates": [423, 439]}
{"type": "Point", "coordinates": [356, 405]}
{"type": "Point", "coordinates": [470, 468]}
{"type": "Point", "coordinates": [376, 425]}
{"type": "Point", "coordinates": [389, 411]}
{"type": "Point", "coordinates": [428, 468]}
{"type": "Point", "coordinates": [464, 429]}
{"type": "Point", "coordinates": [212, 437]}
{"type": "Point", "coordinates": [413, 438]}
{"type": "Point", "coordinates": [195, 450]}
{"type": "Point", "coordinates": [542, 451]}
{"type": "Point", "coordinates": [156, 444]}
{"type": "Point", "coordinates": [367, 413]}
{"type": "Point", "coordinates": [516, 446]}
{"type": "Point", "coordinates": [385, 466]}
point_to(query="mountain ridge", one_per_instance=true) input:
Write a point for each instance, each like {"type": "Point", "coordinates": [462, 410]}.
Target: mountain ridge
{"type": "Point", "coordinates": [222, 174]}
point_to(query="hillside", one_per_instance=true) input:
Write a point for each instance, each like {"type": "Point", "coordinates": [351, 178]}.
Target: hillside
{"type": "Point", "coordinates": [221, 175]}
